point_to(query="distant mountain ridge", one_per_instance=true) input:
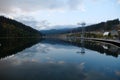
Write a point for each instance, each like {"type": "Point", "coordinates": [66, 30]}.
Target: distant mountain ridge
{"type": "Point", "coordinates": [56, 31]}
{"type": "Point", "coordinates": [103, 26]}
{"type": "Point", "coordinates": [12, 28]}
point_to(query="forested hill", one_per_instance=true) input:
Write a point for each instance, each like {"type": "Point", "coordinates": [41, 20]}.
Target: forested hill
{"type": "Point", "coordinates": [99, 27]}
{"type": "Point", "coordinates": [106, 26]}
{"type": "Point", "coordinates": [103, 26]}
{"type": "Point", "coordinates": [12, 28]}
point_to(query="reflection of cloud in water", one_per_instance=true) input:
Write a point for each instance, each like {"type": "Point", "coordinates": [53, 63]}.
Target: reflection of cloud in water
{"type": "Point", "coordinates": [81, 66]}
{"type": "Point", "coordinates": [42, 71]}
{"type": "Point", "coordinates": [7, 57]}
{"type": "Point", "coordinates": [18, 60]}
{"type": "Point", "coordinates": [39, 48]}
{"type": "Point", "coordinates": [50, 70]}
{"type": "Point", "coordinates": [37, 52]}
{"type": "Point", "coordinates": [94, 75]}
{"type": "Point", "coordinates": [56, 62]}
{"type": "Point", "coordinates": [61, 62]}
{"type": "Point", "coordinates": [49, 58]}
{"type": "Point", "coordinates": [52, 62]}
{"type": "Point", "coordinates": [117, 73]}
{"type": "Point", "coordinates": [33, 51]}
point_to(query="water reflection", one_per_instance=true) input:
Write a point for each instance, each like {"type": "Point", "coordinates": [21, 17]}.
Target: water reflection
{"type": "Point", "coordinates": [12, 46]}
{"type": "Point", "coordinates": [101, 47]}
{"type": "Point", "coordinates": [82, 47]}
{"type": "Point", "coordinates": [9, 46]}
{"type": "Point", "coordinates": [58, 60]}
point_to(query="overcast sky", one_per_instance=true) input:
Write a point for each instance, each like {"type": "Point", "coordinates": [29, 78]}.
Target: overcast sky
{"type": "Point", "coordinates": [46, 14]}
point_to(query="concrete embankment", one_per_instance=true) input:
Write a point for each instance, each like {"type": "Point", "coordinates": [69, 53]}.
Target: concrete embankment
{"type": "Point", "coordinates": [115, 42]}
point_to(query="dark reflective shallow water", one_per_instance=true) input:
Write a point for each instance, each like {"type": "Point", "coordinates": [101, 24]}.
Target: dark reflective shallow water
{"type": "Point", "coordinates": [60, 60]}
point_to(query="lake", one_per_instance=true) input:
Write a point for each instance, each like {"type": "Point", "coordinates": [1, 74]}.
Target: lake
{"type": "Point", "coordinates": [52, 59]}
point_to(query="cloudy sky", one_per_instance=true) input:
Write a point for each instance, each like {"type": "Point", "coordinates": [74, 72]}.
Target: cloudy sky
{"type": "Point", "coordinates": [46, 14]}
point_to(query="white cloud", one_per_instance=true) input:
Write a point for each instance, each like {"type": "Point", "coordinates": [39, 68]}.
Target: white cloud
{"type": "Point", "coordinates": [4, 7]}
{"type": "Point", "coordinates": [119, 1]}
{"type": "Point", "coordinates": [31, 21]}
{"type": "Point", "coordinates": [17, 8]}
{"type": "Point", "coordinates": [32, 5]}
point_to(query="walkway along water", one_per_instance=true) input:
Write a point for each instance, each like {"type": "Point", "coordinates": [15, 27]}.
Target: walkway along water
{"type": "Point", "coordinates": [115, 42]}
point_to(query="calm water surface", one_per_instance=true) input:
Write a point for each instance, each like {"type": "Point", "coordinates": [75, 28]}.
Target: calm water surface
{"type": "Point", "coordinates": [60, 60]}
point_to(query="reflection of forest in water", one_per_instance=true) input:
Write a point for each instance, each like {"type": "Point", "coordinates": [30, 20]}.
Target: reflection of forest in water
{"type": "Point", "coordinates": [101, 47]}
{"type": "Point", "coordinates": [9, 46]}
{"type": "Point", "coordinates": [13, 45]}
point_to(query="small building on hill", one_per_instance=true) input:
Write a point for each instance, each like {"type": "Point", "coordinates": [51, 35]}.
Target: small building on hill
{"type": "Point", "coordinates": [111, 34]}
{"type": "Point", "coordinates": [106, 33]}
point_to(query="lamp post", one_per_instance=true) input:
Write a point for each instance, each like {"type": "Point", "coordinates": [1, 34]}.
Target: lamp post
{"type": "Point", "coordinates": [82, 37]}
{"type": "Point", "coordinates": [83, 28]}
